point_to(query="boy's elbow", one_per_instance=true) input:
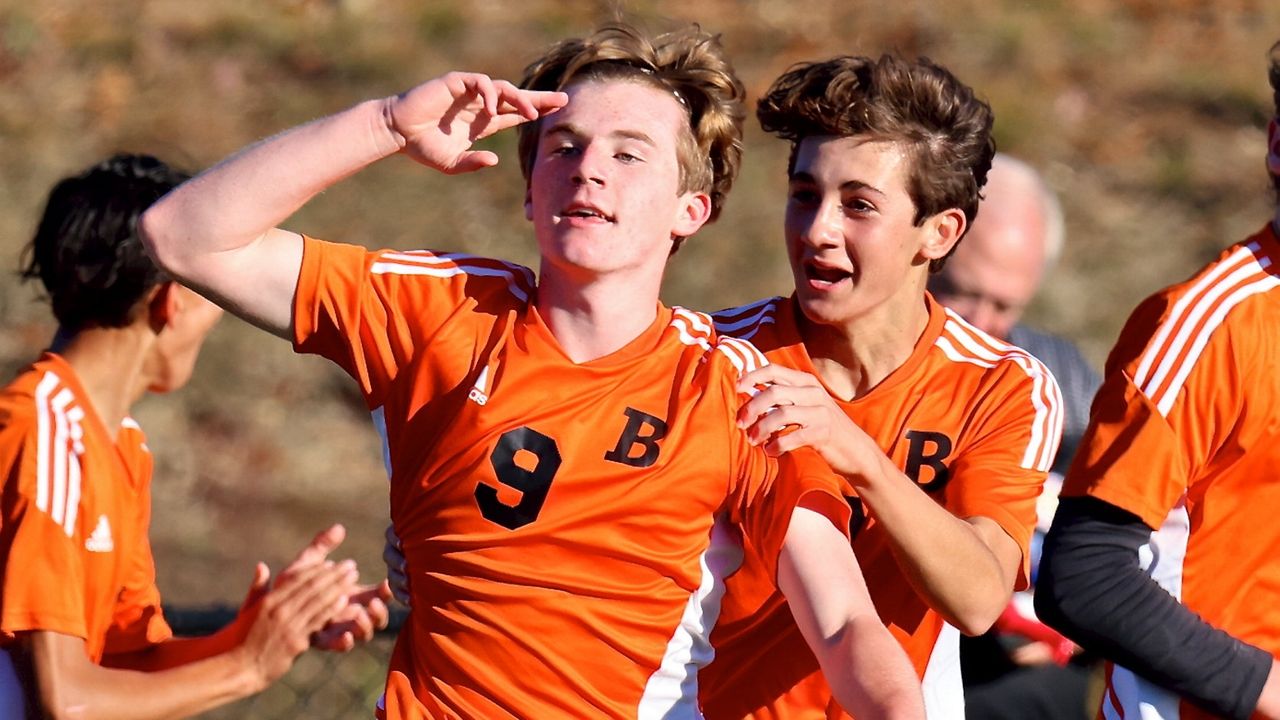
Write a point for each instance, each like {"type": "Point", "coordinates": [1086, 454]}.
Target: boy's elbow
{"type": "Point", "coordinates": [981, 612]}
{"type": "Point", "coordinates": [157, 238]}
{"type": "Point", "coordinates": [979, 620]}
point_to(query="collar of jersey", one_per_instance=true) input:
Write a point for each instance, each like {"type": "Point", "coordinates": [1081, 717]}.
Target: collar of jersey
{"type": "Point", "coordinates": [924, 345]}
{"type": "Point", "coordinates": [533, 335]}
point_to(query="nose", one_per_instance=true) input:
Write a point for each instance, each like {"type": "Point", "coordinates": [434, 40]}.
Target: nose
{"type": "Point", "coordinates": [590, 167]}
{"type": "Point", "coordinates": [823, 227]}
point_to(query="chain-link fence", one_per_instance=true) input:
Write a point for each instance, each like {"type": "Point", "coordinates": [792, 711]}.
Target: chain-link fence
{"type": "Point", "coordinates": [320, 686]}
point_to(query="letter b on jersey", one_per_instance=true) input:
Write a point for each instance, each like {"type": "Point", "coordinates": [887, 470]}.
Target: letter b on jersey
{"type": "Point", "coordinates": [532, 483]}
{"type": "Point", "coordinates": [928, 449]}
{"type": "Point", "coordinates": [642, 433]}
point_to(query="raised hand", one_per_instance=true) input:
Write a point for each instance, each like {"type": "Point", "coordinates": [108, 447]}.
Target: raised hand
{"type": "Point", "coordinates": [366, 608]}
{"type": "Point", "coordinates": [439, 120]}
{"type": "Point", "coordinates": [282, 616]}
{"type": "Point", "coordinates": [792, 409]}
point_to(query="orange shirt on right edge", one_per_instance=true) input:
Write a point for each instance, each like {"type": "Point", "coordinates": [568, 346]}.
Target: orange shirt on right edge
{"type": "Point", "coordinates": [1184, 434]}
{"type": "Point", "coordinates": [976, 422]}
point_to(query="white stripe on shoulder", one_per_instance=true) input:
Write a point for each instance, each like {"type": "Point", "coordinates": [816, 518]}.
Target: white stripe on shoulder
{"type": "Point", "coordinates": [1182, 337]}
{"type": "Point", "coordinates": [751, 356]}
{"type": "Point", "coordinates": [1155, 350]}
{"type": "Point", "coordinates": [1165, 402]}
{"type": "Point", "coordinates": [44, 438]}
{"type": "Point", "coordinates": [520, 279]}
{"type": "Point", "coordinates": [59, 444]}
{"type": "Point", "coordinates": [962, 342]}
{"type": "Point", "coordinates": [694, 328]}
{"type": "Point", "coordinates": [747, 320]}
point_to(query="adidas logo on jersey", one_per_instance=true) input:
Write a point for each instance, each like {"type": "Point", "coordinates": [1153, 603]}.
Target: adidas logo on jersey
{"type": "Point", "coordinates": [99, 540]}
{"type": "Point", "coordinates": [477, 394]}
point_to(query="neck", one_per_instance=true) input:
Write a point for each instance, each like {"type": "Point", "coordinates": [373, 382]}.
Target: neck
{"type": "Point", "coordinates": [854, 357]}
{"type": "Point", "coordinates": [599, 316]}
{"type": "Point", "coordinates": [109, 363]}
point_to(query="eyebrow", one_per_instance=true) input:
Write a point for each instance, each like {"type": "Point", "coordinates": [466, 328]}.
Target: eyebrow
{"type": "Point", "coordinates": [564, 128]}
{"type": "Point", "coordinates": [804, 177]}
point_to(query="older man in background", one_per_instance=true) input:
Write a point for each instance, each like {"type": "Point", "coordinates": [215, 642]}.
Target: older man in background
{"type": "Point", "coordinates": [993, 275]}
{"type": "Point", "coordinates": [1021, 668]}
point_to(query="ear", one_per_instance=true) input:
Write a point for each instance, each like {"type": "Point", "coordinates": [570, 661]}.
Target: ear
{"type": "Point", "coordinates": [163, 305]}
{"type": "Point", "coordinates": [528, 202]}
{"type": "Point", "coordinates": [942, 232]}
{"type": "Point", "coordinates": [693, 213]}
{"type": "Point", "coordinates": [1273, 146]}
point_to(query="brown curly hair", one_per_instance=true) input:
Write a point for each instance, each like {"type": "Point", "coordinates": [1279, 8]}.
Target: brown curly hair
{"type": "Point", "coordinates": [688, 63]}
{"type": "Point", "coordinates": [944, 127]}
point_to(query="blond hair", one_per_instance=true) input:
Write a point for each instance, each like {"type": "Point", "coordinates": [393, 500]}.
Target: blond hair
{"type": "Point", "coordinates": [688, 63]}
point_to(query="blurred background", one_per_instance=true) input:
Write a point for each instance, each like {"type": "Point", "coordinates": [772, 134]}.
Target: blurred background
{"type": "Point", "coordinates": [1148, 118]}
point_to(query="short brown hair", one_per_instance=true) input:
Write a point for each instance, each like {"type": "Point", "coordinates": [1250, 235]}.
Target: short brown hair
{"type": "Point", "coordinates": [688, 63]}
{"type": "Point", "coordinates": [944, 127]}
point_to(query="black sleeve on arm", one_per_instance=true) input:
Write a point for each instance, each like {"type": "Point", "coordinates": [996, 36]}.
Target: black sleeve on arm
{"type": "Point", "coordinates": [1091, 589]}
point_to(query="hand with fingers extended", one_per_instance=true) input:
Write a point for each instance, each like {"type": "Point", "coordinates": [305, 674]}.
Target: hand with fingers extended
{"type": "Point", "coordinates": [438, 121]}
{"type": "Point", "coordinates": [366, 610]}
{"type": "Point", "coordinates": [279, 618]}
{"type": "Point", "coordinates": [397, 570]}
{"type": "Point", "coordinates": [791, 409]}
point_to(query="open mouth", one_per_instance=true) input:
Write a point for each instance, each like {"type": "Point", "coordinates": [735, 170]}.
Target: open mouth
{"type": "Point", "coordinates": [822, 276]}
{"type": "Point", "coordinates": [586, 212]}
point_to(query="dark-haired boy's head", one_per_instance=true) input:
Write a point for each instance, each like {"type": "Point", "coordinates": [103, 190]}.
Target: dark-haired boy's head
{"type": "Point", "coordinates": [86, 250]}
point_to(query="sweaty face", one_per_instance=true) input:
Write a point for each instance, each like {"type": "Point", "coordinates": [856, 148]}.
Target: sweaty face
{"type": "Point", "coordinates": [603, 190]}
{"type": "Point", "coordinates": [854, 251]}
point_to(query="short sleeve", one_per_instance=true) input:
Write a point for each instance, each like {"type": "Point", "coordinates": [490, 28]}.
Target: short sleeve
{"type": "Point", "coordinates": [43, 569]}
{"type": "Point", "coordinates": [1000, 473]}
{"type": "Point", "coordinates": [374, 312]}
{"type": "Point", "coordinates": [797, 478]}
{"type": "Point", "coordinates": [1161, 416]}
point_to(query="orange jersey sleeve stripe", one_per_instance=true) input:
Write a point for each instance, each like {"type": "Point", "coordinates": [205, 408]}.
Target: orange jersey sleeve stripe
{"type": "Point", "coordinates": [1182, 337]}
{"type": "Point", "coordinates": [520, 279]}
{"type": "Point", "coordinates": [693, 328]}
{"type": "Point", "coordinates": [961, 342]}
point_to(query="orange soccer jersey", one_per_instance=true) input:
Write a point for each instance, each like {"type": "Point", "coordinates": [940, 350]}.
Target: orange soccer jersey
{"type": "Point", "coordinates": [976, 423]}
{"type": "Point", "coordinates": [1184, 435]}
{"type": "Point", "coordinates": [76, 505]}
{"type": "Point", "coordinates": [556, 518]}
